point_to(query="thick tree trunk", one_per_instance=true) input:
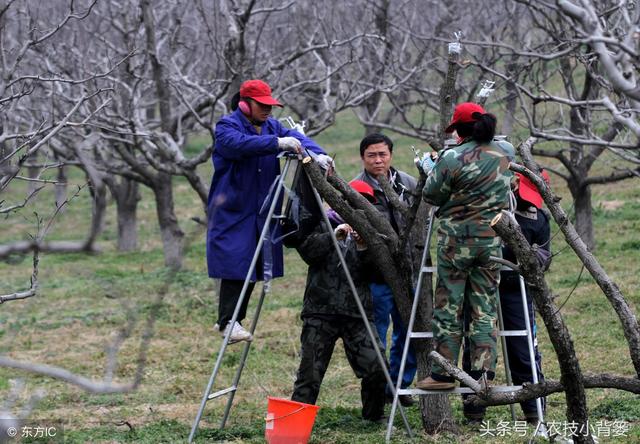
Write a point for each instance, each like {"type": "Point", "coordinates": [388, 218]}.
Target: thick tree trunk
{"type": "Point", "coordinates": [172, 235]}
{"type": "Point", "coordinates": [370, 110]}
{"type": "Point", "coordinates": [571, 374]}
{"type": "Point", "coordinates": [511, 102]}
{"type": "Point", "coordinates": [584, 213]}
{"type": "Point", "coordinates": [435, 409]}
{"type": "Point", "coordinates": [60, 189]}
{"type": "Point", "coordinates": [98, 211]}
{"type": "Point", "coordinates": [126, 194]}
{"type": "Point", "coordinates": [448, 94]}
{"type": "Point", "coordinates": [32, 173]}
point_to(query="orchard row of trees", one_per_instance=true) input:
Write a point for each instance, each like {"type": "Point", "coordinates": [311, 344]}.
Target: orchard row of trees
{"type": "Point", "coordinates": [117, 88]}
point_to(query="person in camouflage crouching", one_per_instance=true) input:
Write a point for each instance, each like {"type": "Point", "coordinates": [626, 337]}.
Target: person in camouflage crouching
{"type": "Point", "coordinates": [469, 183]}
{"type": "Point", "coordinates": [329, 313]}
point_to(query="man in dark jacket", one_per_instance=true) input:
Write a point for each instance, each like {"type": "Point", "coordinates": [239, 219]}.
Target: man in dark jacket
{"type": "Point", "coordinates": [329, 313]}
{"type": "Point", "coordinates": [376, 152]}
{"type": "Point", "coordinates": [245, 162]}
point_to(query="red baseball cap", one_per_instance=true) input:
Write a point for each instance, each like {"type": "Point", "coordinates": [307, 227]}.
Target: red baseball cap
{"type": "Point", "coordinates": [528, 191]}
{"type": "Point", "coordinates": [463, 113]}
{"type": "Point", "coordinates": [363, 188]}
{"type": "Point", "coordinates": [258, 91]}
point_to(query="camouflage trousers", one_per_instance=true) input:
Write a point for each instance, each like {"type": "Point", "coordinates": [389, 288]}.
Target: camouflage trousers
{"type": "Point", "coordinates": [318, 339]}
{"type": "Point", "coordinates": [466, 276]}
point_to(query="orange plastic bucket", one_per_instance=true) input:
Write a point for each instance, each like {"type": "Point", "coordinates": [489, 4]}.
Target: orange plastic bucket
{"type": "Point", "coordinates": [289, 422]}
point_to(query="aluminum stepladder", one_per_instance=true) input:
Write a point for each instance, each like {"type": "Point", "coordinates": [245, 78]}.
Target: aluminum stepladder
{"type": "Point", "coordinates": [231, 390]}
{"type": "Point", "coordinates": [425, 335]}
{"type": "Point", "coordinates": [274, 195]}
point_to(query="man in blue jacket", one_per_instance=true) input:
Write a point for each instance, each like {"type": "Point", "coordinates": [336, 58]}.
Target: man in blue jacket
{"type": "Point", "coordinates": [245, 162]}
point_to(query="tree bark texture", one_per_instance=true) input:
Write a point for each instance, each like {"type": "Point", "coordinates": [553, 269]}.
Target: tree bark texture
{"type": "Point", "coordinates": [548, 387]}
{"type": "Point", "coordinates": [60, 188]}
{"type": "Point", "coordinates": [610, 289]}
{"type": "Point", "coordinates": [32, 173]}
{"type": "Point", "coordinates": [126, 195]}
{"type": "Point", "coordinates": [172, 235]}
{"type": "Point", "coordinates": [435, 409]}
{"type": "Point", "coordinates": [571, 375]}
{"type": "Point", "coordinates": [583, 210]}
{"type": "Point", "coordinates": [448, 94]}
{"type": "Point", "coordinates": [98, 212]}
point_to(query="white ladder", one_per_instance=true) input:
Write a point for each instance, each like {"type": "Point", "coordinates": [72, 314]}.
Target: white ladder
{"type": "Point", "coordinates": [231, 390]}
{"type": "Point", "coordinates": [424, 270]}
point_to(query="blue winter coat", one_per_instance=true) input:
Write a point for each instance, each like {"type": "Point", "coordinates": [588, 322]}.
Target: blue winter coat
{"type": "Point", "coordinates": [245, 166]}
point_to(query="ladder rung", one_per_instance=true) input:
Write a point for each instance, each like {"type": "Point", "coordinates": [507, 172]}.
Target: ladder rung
{"type": "Point", "coordinates": [421, 335]}
{"type": "Point", "coordinates": [211, 396]}
{"type": "Point", "coordinates": [512, 333]}
{"type": "Point", "coordinates": [426, 335]}
{"type": "Point", "coordinates": [458, 390]}
{"type": "Point", "coordinates": [428, 269]}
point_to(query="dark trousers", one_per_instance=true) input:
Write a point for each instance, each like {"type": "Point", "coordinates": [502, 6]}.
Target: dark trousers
{"type": "Point", "coordinates": [229, 296]}
{"type": "Point", "coordinates": [517, 349]}
{"type": "Point", "coordinates": [318, 339]}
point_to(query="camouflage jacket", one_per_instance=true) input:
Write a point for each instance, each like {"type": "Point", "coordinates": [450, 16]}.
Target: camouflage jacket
{"type": "Point", "coordinates": [470, 183]}
{"type": "Point", "coordinates": [327, 291]}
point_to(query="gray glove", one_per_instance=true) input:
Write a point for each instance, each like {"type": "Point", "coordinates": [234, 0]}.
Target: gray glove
{"type": "Point", "coordinates": [289, 144]}
{"type": "Point", "coordinates": [324, 161]}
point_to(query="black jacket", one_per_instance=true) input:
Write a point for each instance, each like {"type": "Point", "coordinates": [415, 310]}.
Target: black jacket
{"type": "Point", "coordinates": [327, 291]}
{"type": "Point", "coordinates": [534, 224]}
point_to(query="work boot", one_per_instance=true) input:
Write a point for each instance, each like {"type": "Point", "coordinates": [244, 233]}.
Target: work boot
{"type": "Point", "coordinates": [379, 420]}
{"type": "Point", "coordinates": [473, 419]}
{"type": "Point", "coordinates": [238, 333]}
{"type": "Point", "coordinates": [405, 400]}
{"type": "Point", "coordinates": [429, 383]}
{"type": "Point", "coordinates": [531, 418]}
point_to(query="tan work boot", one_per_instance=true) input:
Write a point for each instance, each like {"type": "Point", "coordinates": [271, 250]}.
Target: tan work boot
{"type": "Point", "coordinates": [429, 383]}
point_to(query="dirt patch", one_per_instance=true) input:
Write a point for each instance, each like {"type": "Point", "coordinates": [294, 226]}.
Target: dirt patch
{"type": "Point", "coordinates": [135, 416]}
{"type": "Point", "coordinates": [611, 205]}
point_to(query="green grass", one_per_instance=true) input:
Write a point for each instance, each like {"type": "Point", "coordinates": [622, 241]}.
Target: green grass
{"type": "Point", "coordinates": [86, 299]}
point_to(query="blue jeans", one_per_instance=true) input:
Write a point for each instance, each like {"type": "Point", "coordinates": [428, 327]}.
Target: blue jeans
{"type": "Point", "coordinates": [384, 311]}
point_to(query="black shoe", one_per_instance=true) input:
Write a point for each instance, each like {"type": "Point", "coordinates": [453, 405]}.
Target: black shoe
{"type": "Point", "coordinates": [531, 418]}
{"type": "Point", "coordinates": [473, 420]}
{"type": "Point", "coordinates": [381, 420]}
{"type": "Point", "coordinates": [405, 400]}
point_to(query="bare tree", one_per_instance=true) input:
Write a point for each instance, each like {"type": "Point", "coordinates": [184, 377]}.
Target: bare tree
{"type": "Point", "coordinates": [594, 112]}
{"type": "Point", "coordinates": [30, 127]}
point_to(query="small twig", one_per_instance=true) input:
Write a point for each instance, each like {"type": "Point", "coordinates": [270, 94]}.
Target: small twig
{"type": "Point", "coordinates": [506, 263]}
{"type": "Point", "coordinates": [573, 289]}
{"type": "Point", "coordinates": [23, 204]}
